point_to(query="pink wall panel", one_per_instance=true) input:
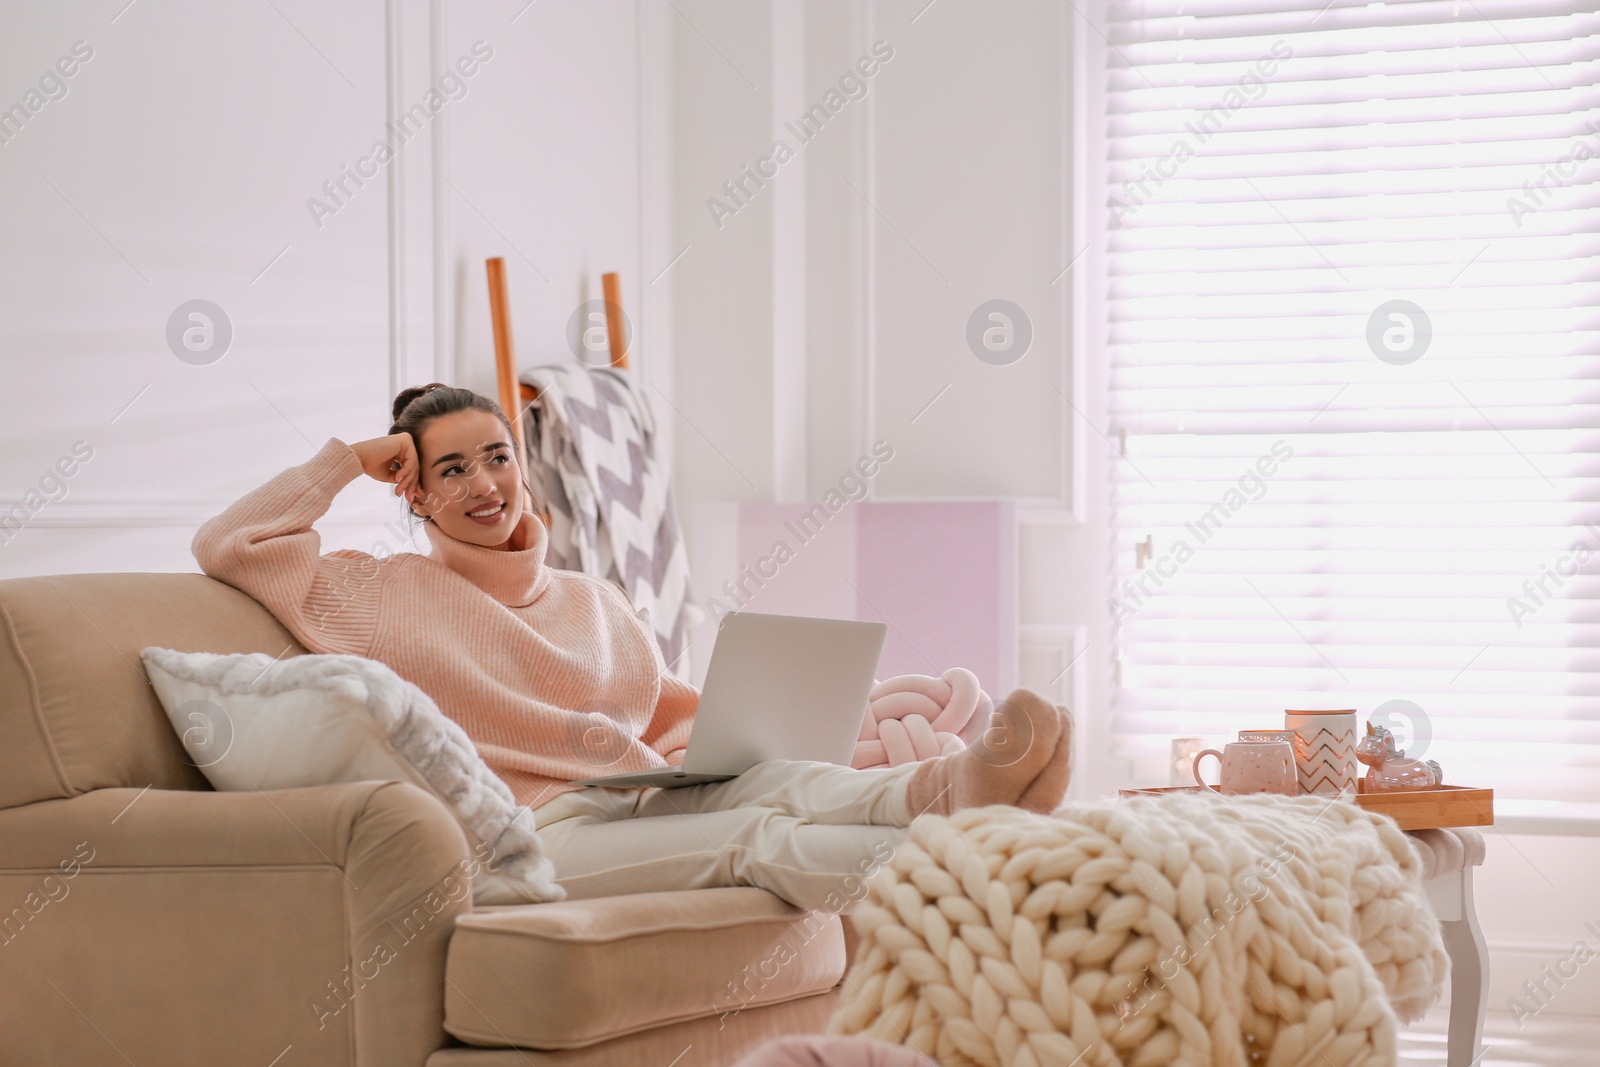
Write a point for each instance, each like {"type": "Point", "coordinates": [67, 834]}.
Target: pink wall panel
{"type": "Point", "coordinates": [814, 581]}
{"type": "Point", "coordinates": [937, 574]}
{"type": "Point", "coordinates": [942, 575]}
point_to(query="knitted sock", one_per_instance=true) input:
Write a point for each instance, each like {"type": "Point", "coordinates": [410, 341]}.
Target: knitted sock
{"type": "Point", "coordinates": [1022, 755]}
{"type": "Point", "coordinates": [1049, 789]}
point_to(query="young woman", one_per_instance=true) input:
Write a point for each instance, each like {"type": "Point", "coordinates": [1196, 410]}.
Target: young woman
{"type": "Point", "coordinates": [556, 679]}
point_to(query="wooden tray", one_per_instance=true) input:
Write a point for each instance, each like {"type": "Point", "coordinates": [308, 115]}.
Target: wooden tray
{"type": "Point", "coordinates": [1437, 808]}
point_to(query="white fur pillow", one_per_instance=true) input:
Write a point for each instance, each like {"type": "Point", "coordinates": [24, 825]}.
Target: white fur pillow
{"type": "Point", "coordinates": [250, 723]}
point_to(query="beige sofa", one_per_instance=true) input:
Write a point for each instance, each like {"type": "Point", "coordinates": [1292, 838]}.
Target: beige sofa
{"type": "Point", "coordinates": [146, 919]}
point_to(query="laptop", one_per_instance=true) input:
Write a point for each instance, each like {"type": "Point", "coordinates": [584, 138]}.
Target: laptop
{"type": "Point", "coordinates": [777, 687]}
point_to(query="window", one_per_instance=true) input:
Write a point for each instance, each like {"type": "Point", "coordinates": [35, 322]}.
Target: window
{"type": "Point", "coordinates": [1353, 301]}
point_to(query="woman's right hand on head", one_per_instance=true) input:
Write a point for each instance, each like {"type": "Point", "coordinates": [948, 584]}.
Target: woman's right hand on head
{"type": "Point", "coordinates": [391, 459]}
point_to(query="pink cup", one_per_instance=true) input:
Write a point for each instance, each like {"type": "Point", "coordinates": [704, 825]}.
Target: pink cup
{"type": "Point", "coordinates": [1253, 767]}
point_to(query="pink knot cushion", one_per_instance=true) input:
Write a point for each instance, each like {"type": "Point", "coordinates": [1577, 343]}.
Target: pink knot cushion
{"type": "Point", "coordinates": [811, 1050]}
{"type": "Point", "coordinates": [913, 717]}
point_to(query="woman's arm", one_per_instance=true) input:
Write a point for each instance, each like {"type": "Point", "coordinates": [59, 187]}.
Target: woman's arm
{"type": "Point", "coordinates": [264, 545]}
{"type": "Point", "coordinates": [668, 732]}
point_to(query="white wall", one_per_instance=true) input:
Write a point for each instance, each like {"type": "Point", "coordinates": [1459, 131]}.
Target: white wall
{"type": "Point", "coordinates": [825, 306]}
{"type": "Point", "coordinates": [1536, 900]}
{"type": "Point", "coordinates": [179, 166]}
{"type": "Point", "coordinates": [939, 187]}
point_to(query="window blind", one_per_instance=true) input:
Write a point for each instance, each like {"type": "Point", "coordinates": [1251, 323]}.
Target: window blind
{"type": "Point", "coordinates": [1353, 302]}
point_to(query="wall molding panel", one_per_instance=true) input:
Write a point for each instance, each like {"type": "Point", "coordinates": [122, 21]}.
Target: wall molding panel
{"type": "Point", "coordinates": [330, 316]}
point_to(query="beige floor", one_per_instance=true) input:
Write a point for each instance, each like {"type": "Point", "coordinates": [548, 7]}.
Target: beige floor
{"type": "Point", "coordinates": [1547, 1040]}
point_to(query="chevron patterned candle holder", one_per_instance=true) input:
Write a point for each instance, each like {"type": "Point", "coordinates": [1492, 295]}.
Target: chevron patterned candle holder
{"type": "Point", "coordinates": [1324, 751]}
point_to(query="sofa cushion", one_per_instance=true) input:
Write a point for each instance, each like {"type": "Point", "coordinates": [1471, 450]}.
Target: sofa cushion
{"type": "Point", "coordinates": [1447, 851]}
{"type": "Point", "coordinates": [76, 711]}
{"type": "Point", "coordinates": [706, 1042]}
{"type": "Point", "coordinates": [574, 973]}
{"type": "Point", "coordinates": [251, 722]}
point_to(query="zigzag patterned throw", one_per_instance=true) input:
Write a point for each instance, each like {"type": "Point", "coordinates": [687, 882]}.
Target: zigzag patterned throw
{"type": "Point", "coordinates": [591, 459]}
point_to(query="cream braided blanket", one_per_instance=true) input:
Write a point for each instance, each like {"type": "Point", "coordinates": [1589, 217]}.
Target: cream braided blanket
{"type": "Point", "coordinates": [1187, 930]}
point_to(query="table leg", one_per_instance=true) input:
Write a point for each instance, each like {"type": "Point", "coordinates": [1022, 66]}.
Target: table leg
{"type": "Point", "coordinates": [1469, 977]}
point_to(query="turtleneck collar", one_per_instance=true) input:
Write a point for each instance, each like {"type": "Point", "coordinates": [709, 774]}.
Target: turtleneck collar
{"type": "Point", "coordinates": [515, 576]}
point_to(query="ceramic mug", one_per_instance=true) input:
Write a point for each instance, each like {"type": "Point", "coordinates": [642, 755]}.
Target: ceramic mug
{"type": "Point", "coordinates": [1253, 767]}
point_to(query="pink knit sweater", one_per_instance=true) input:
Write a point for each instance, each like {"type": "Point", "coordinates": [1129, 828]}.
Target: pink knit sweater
{"type": "Point", "coordinates": [549, 672]}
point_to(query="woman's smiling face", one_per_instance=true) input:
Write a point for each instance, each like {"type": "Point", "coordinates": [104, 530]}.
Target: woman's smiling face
{"type": "Point", "coordinates": [468, 464]}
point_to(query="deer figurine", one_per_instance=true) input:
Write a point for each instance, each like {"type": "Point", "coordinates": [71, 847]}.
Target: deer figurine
{"type": "Point", "coordinates": [1390, 771]}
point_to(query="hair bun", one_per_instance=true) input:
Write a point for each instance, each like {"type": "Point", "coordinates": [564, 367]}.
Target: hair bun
{"type": "Point", "coordinates": [406, 396]}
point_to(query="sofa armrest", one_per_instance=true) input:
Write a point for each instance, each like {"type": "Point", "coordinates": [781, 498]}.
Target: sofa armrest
{"type": "Point", "coordinates": [202, 928]}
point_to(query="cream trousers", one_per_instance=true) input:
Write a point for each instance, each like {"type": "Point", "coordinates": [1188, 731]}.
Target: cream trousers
{"type": "Point", "coordinates": [808, 832]}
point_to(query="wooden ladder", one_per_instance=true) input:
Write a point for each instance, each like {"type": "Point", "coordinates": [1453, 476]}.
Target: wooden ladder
{"type": "Point", "coordinates": [514, 395]}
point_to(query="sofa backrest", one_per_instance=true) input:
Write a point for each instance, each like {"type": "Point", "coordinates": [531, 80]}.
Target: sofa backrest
{"type": "Point", "coordinates": [76, 710]}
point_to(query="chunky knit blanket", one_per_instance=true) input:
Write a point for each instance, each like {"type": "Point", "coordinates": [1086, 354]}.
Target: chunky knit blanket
{"type": "Point", "coordinates": [1185, 929]}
